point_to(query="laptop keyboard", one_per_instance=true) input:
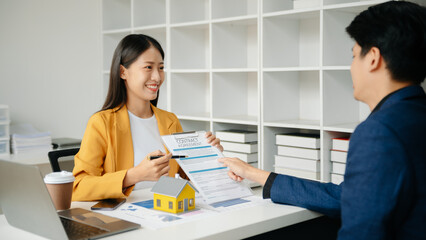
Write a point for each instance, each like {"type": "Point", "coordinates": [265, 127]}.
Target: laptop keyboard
{"type": "Point", "coordinates": [76, 230]}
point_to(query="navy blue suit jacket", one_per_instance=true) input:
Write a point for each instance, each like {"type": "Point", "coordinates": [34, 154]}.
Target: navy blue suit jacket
{"type": "Point", "coordinates": [383, 195]}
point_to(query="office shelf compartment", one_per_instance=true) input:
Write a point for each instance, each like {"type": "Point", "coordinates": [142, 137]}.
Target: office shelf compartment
{"type": "Point", "coordinates": [158, 34]}
{"type": "Point", "coordinates": [190, 47]}
{"type": "Point", "coordinates": [194, 125]}
{"type": "Point", "coordinates": [217, 126]}
{"type": "Point", "coordinates": [148, 12]}
{"type": "Point", "coordinates": [163, 99]}
{"type": "Point", "coordinates": [291, 99]}
{"type": "Point", "coordinates": [235, 96]}
{"type": "Point", "coordinates": [338, 98]}
{"type": "Point", "coordinates": [110, 42]}
{"type": "Point", "coordinates": [191, 94]}
{"type": "Point", "coordinates": [277, 5]}
{"type": "Point", "coordinates": [233, 8]}
{"type": "Point", "coordinates": [182, 11]}
{"type": "Point", "coordinates": [291, 40]}
{"type": "Point", "coordinates": [116, 14]}
{"type": "Point", "coordinates": [269, 144]}
{"type": "Point", "coordinates": [337, 44]}
{"type": "Point", "coordinates": [235, 44]}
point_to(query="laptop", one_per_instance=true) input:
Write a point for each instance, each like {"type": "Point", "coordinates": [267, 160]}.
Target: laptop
{"type": "Point", "coordinates": [27, 205]}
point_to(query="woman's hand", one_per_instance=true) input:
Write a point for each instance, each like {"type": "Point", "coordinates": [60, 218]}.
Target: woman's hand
{"type": "Point", "coordinates": [215, 142]}
{"type": "Point", "coordinates": [148, 170]}
{"type": "Point", "coordinates": [239, 170]}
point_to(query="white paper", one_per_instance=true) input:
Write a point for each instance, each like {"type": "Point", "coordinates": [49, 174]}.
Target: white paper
{"type": "Point", "coordinates": [201, 166]}
{"type": "Point", "coordinates": [143, 213]}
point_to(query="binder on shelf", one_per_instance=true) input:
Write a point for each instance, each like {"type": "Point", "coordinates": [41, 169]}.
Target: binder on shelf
{"type": "Point", "coordinates": [338, 156]}
{"type": "Point", "coordinates": [299, 152]}
{"type": "Point", "coordinates": [240, 147]}
{"type": "Point", "coordinates": [297, 163]}
{"type": "Point", "coordinates": [298, 173]}
{"type": "Point", "coordinates": [246, 157]}
{"type": "Point", "coordinates": [336, 178]}
{"type": "Point", "coordinates": [235, 135]}
{"type": "Point", "coordinates": [304, 140]}
{"type": "Point", "coordinates": [338, 168]}
{"type": "Point", "coordinates": [341, 144]}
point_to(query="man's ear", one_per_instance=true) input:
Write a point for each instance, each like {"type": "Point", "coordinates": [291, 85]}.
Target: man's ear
{"type": "Point", "coordinates": [375, 59]}
{"type": "Point", "coordinates": [123, 72]}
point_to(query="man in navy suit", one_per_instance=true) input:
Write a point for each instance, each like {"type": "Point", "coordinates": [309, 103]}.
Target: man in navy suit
{"type": "Point", "coordinates": [383, 195]}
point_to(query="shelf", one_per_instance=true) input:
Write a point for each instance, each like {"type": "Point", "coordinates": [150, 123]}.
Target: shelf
{"type": "Point", "coordinates": [235, 94]}
{"type": "Point", "coordinates": [116, 14]}
{"type": "Point", "coordinates": [188, 11]}
{"type": "Point", "coordinates": [233, 8]}
{"type": "Point", "coordinates": [334, 4]}
{"type": "Point", "coordinates": [202, 116]}
{"type": "Point", "coordinates": [291, 40]}
{"type": "Point", "coordinates": [194, 40]}
{"type": "Point", "coordinates": [234, 44]}
{"type": "Point", "coordinates": [217, 126]}
{"type": "Point", "coordinates": [291, 69]}
{"type": "Point", "coordinates": [238, 119]}
{"type": "Point", "coordinates": [225, 70]}
{"type": "Point", "coordinates": [344, 127]}
{"type": "Point", "coordinates": [191, 94]}
{"type": "Point", "coordinates": [148, 12]}
{"type": "Point", "coordinates": [295, 123]}
{"type": "Point", "coordinates": [291, 95]}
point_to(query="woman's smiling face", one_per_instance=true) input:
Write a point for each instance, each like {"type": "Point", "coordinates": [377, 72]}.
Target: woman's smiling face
{"type": "Point", "coordinates": [144, 77]}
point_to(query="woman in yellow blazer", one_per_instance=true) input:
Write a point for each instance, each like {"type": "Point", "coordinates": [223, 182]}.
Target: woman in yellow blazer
{"type": "Point", "coordinates": [106, 165]}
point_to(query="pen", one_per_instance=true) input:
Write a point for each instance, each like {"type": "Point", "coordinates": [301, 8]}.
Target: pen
{"type": "Point", "coordinates": [173, 156]}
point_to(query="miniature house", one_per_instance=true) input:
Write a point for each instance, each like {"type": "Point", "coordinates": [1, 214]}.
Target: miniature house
{"type": "Point", "coordinates": [173, 195]}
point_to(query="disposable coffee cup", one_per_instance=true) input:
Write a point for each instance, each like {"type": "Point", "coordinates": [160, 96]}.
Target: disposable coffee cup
{"type": "Point", "coordinates": [59, 185]}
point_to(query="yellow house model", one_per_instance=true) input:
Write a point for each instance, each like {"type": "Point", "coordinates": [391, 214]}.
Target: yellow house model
{"type": "Point", "coordinates": [173, 195]}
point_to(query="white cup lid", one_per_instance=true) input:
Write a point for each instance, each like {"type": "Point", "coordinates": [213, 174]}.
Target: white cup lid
{"type": "Point", "coordinates": [59, 177]}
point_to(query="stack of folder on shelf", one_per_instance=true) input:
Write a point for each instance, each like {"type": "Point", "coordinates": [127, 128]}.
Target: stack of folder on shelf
{"type": "Point", "coordinates": [339, 153]}
{"type": "Point", "coordinates": [241, 144]}
{"type": "Point", "coordinates": [298, 155]}
{"type": "Point", "coordinates": [26, 139]}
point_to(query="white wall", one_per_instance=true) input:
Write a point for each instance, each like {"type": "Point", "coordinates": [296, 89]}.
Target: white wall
{"type": "Point", "coordinates": [50, 63]}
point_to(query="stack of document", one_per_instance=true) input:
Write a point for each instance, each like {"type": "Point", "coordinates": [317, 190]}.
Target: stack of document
{"type": "Point", "coordinates": [241, 144]}
{"type": "Point", "coordinates": [339, 153]}
{"type": "Point", "coordinates": [298, 155]}
{"type": "Point", "coordinates": [26, 139]}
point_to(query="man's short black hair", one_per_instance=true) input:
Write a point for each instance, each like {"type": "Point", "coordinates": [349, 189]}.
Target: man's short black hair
{"type": "Point", "coordinates": [398, 30]}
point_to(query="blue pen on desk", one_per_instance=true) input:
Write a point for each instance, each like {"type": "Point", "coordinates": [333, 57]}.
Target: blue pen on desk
{"type": "Point", "coordinates": [173, 157]}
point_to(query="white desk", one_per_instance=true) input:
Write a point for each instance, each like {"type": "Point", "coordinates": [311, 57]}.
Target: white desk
{"type": "Point", "coordinates": [230, 225]}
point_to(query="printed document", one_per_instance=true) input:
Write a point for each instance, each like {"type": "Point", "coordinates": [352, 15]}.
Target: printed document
{"type": "Point", "coordinates": [201, 166]}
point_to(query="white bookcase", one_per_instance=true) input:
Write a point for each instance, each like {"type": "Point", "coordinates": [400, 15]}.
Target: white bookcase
{"type": "Point", "coordinates": [259, 65]}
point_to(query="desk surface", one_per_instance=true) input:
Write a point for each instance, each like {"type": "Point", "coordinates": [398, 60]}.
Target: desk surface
{"type": "Point", "coordinates": [229, 225]}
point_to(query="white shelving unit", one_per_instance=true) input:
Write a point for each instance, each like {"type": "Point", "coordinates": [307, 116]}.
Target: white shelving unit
{"type": "Point", "coordinates": [259, 65]}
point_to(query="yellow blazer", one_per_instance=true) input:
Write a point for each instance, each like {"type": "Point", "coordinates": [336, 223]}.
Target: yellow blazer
{"type": "Point", "coordinates": [106, 153]}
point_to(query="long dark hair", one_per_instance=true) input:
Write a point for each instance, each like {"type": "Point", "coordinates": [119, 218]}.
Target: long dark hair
{"type": "Point", "coordinates": [127, 51]}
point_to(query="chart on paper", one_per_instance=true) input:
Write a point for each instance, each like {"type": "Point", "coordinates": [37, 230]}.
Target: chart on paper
{"type": "Point", "coordinates": [201, 166]}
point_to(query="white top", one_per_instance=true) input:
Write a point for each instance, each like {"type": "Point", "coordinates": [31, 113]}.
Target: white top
{"type": "Point", "coordinates": [146, 139]}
